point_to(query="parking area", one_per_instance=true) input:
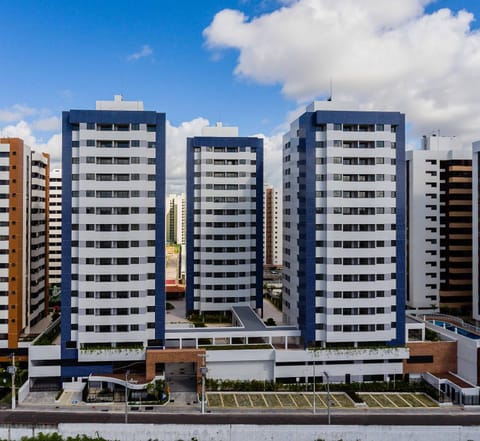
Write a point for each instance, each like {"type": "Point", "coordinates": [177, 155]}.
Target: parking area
{"type": "Point", "coordinates": [294, 400]}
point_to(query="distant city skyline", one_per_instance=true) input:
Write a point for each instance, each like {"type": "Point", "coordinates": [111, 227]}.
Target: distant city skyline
{"type": "Point", "coordinates": [414, 56]}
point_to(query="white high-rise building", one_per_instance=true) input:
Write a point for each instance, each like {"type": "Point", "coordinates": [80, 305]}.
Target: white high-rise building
{"type": "Point", "coordinates": [113, 236]}
{"type": "Point", "coordinates": [176, 213]}
{"type": "Point", "coordinates": [272, 226]}
{"type": "Point", "coordinates": [55, 228]}
{"type": "Point", "coordinates": [224, 220]}
{"type": "Point", "coordinates": [344, 226]}
{"type": "Point", "coordinates": [37, 301]}
{"type": "Point", "coordinates": [439, 229]}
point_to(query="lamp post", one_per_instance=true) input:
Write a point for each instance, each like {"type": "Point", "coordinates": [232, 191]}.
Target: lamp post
{"type": "Point", "coordinates": [314, 381]}
{"type": "Point", "coordinates": [203, 371]}
{"type": "Point", "coordinates": [328, 395]}
{"type": "Point", "coordinates": [12, 370]}
{"type": "Point", "coordinates": [127, 373]}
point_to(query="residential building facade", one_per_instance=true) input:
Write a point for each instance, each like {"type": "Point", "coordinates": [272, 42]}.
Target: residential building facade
{"type": "Point", "coordinates": [176, 218]}
{"type": "Point", "coordinates": [224, 220]}
{"type": "Point", "coordinates": [113, 232]}
{"type": "Point", "coordinates": [475, 230]}
{"type": "Point", "coordinates": [37, 237]}
{"type": "Point", "coordinates": [344, 226]}
{"type": "Point", "coordinates": [55, 229]}
{"type": "Point", "coordinates": [23, 240]}
{"type": "Point", "coordinates": [272, 226]}
{"type": "Point", "coordinates": [439, 225]}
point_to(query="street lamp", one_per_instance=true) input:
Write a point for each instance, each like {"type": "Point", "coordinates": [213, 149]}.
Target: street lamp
{"type": "Point", "coordinates": [12, 370]}
{"type": "Point", "coordinates": [127, 373]}
{"type": "Point", "coordinates": [203, 372]}
{"type": "Point", "coordinates": [314, 381]}
{"type": "Point", "coordinates": [328, 395]}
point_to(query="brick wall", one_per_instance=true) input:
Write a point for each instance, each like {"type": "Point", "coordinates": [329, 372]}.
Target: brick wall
{"type": "Point", "coordinates": [442, 353]}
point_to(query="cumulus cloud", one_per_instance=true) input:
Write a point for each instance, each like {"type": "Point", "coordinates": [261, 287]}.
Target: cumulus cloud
{"type": "Point", "coordinates": [50, 124]}
{"type": "Point", "coordinates": [272, 159]}
{"type": "Point", "coordinates": [145, 51]}
{"type": "Point", "coordinates": [379, 55]}
{"type": "Point", "coordinates": [16, 113]}
{"type": "Point", "coordinates": [176, 141]}
{"type": "Point", "coordinates": [24, 131]}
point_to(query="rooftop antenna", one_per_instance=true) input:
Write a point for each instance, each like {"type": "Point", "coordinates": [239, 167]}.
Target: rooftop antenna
{"type": "Point", "coordinates": [331, 91]}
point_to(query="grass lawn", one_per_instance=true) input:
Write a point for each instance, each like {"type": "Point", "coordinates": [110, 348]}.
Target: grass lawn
{"type": "Point", "coordinates": [343, 400]}
{"type": "Point", "coordinates": [301, 401]}
{"type": "Point", "coordinates": [398, 400]}
{"type": "Point", "coordinates": [413, 400]}
{"type": "Point", "coordinates": [243, 400]}
{"type": "Point", "coordinates": [257, 400]}
{"type": "Point", "coordinates": [214, 400]}
{"type": "Point", "coordinates": [272, 400]}
{"type": "Point", "coordinates": [425, 400]}
{"type": "Point", "coordinates": [369, 400]}
{"type": "Point", "coordinates": [384, 401]}
{"type": "Point", "coordinates": [229, 400]}
{"type": "Point", "coordinates": [286, 400]}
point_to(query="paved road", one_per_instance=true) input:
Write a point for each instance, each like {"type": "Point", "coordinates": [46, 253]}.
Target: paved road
{"type": "Point", "coordinates": [436, 418]}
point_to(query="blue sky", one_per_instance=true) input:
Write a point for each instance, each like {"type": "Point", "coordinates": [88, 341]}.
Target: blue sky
{"type": "Point", "coordinates": [68, 54]}
{"type": "Point", "coordinates": [57, 55]}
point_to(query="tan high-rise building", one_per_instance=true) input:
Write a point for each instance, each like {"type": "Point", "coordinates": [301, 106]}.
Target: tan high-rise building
{"type": "Point", "coordinates": [439, 225]}
{"type": "Point", "coordinates": [23, 239]}
{"type": "Point", "coordinates": [272, 226]}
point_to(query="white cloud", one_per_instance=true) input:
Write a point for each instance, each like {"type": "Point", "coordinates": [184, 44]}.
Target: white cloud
{"type": "Point", "coordinates": [23, 130]}
{"type": "Point", "coordinates": [272, 159]}
{"type": "Point", "coordinates": [16, 113]}
{"type": "Point", "coordinates": [176, 141]}
{"type": "Point", "coordinates": [47, 124]}
{"type": "Point", "coordinates": [145, 51]}
{"type": "Point", "coordinates": [379, 54]}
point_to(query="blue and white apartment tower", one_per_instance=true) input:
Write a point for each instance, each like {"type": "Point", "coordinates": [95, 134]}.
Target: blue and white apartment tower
{"type": "Point", "coordinates": [344, 226]}
{"type": "Point", "coordinates": [113, 230]}
{"type": "Point", "coordinates": [224, 220]}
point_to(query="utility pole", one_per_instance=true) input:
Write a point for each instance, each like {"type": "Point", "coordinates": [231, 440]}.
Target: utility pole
{"type": "Point", "coordinates": [203, 371]}
{"type": "Point", "coordinates": [328, 396]}
{"type": "Point", "coordinates": [314, 401]}
{"type": "Point", "coordinates": [12, 370]}
{"type": "Point", "coordinates": [126, 396]}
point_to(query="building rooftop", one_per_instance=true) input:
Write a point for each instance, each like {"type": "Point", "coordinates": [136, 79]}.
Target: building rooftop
{"type": "Point", "coordinates": [119, 104]}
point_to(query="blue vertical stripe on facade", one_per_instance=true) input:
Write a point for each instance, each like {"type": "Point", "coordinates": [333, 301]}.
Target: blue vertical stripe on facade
{"type": "Point", "coordinates": [259, 223]}
{"type": "Point", "coordinates": [65, 326]}
{"type": "Point", "coordinates": [160, 229]}
{"type": "Point", "coordinates": [401, 243]}
{"type": "Point", "coordinates": [189, 291]}
{"type": "Point", "coordinates": [306, 228]}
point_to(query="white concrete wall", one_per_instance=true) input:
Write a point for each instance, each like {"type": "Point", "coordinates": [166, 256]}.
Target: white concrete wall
{"type": "Point", "coordinates": [23, 391]}
{"type": "Point", "coordinates": [217, 432]}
